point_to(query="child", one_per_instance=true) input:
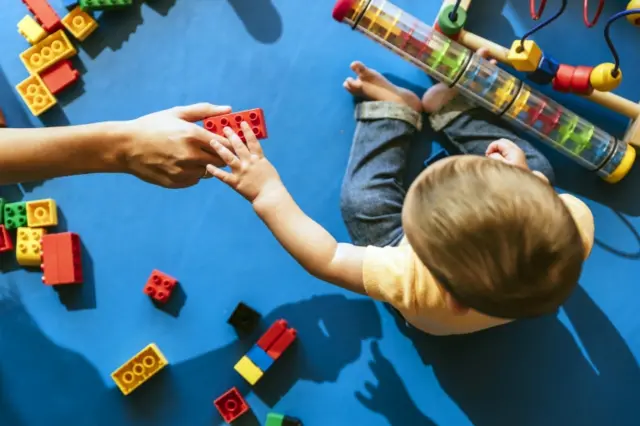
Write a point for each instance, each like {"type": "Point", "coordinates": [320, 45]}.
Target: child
{"type": "Point", "coordinates": [472, 244]}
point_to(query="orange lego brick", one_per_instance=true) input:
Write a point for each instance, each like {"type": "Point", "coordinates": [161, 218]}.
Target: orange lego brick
{"type": "Point", "coordinates": [60, 76]}
{"type": "Point", "coordinates": [253, 117]}
{"type": "Point", "coordinates": [61, 259]}
{"type": "Point", "coordinates": [79, 23]}
{"type": "Point", "coordinates": [5, 240]}
{"type": "Point", "coordinates": [283, 342]}
{"type": "Point", "coordinates": [36, 95]}
{"type": "Point", "coordinates": [42, 213]}
{"type": "Point", "coordinates": [47, 52]}
{"type": "Point", "coordinates": [44, 14]}
{"type": "Point", "coordinates": [272, 334]}
{"type": "Point", "coordinates": [160, 286]}
{"type": "Point", "coordinates": [28, 246]}
{"type": "Point", "coordinates": [144, 365]}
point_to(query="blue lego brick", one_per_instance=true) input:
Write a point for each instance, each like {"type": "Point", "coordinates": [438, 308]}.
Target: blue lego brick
{"type": "Point", "coordinates": [436, 156]}
{"type": "Point", "coordinates": [260, 358]}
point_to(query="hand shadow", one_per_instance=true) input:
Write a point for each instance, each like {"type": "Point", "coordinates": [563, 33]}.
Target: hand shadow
{"type": "Point", "coordinates": [404, 410]}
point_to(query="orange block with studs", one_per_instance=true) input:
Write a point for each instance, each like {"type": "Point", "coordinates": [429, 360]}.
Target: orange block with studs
{"type": "Point", "coordinates": [253, 117]}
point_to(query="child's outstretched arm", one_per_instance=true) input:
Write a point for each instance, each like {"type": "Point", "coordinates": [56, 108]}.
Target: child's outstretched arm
{"type": "Point", "coordinates": [255, 178]}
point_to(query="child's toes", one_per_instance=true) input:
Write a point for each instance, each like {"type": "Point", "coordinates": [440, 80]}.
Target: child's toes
{"type": "Point", "coordinates": [359, 68]}
{"type": "Point", "coordinates": [353, 86]}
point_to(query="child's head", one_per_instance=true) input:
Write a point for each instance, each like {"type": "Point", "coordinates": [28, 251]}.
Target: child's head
{"type": "Point", "coordinates": [497, 238]}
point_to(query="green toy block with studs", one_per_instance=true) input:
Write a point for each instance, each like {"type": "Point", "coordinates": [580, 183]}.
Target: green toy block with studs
{"type": "Point", "coordinates": [104, 4]}
{"type": "Point", "coordinates": [1, 209]}
{"type": "Point", "coordinates": [15, 215]}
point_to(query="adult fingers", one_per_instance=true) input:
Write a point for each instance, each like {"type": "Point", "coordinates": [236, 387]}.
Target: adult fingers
{"type": "Point", "coordinates": [236, 143]}
{"type": "Point", "coordinates": [252, 141]}
{"type": "Point", "coordinates": [227, 156]}
{"type": "Point", "coordinates": [222, 176]}
{"type": "Point", "coordinates": [203, 137]}
{"type": "Point", "coordinates": [199, 111]}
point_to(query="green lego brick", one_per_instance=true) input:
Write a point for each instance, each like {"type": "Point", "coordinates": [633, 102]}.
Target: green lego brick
{"type": "Point", "coordinates": [104, 4]}
{"type": "Point", "coordinates": [15, 215]}
{"type": "Point", "coordinates": [1, 209]}
{"type": "Point", "coordinates": [274, 419]}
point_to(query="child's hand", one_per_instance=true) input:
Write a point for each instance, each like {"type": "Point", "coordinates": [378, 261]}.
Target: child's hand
{"type": "Point", "coordinates": [251, 173]}
{"type": "Point", "coordinates": [508, 152]}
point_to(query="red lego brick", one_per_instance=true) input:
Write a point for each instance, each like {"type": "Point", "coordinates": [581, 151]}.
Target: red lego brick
{"type": "Point", "coordinates": [272, 334]}
{"type": "Point", "coordinates": [44, 14]}
{"type": "Point", "coordinates": [160, 286]}
{"type": "Point", "coordinates": [60, 76]}
{"type": "Point", "coordinates": [61, 259]}
{"type": "Point", "coordinates": [253, 117]}
{"type": "Point", "coordinates": [283, 342]}
{"type": "Point", "coordinates": [231, 405]}
{"type": "Point", "coordinates": [5, 240]}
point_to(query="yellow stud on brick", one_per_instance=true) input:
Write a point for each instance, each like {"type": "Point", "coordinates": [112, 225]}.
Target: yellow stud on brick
{"type": "Point", "coordinates": [247, 369]}
{"type": "Point", "coordinates": [79, 23]}
{"type": "Point", "coordinates": [47, 52]}
{"type": "Point", "coordinates": [525, 58]}
{"type": "Point", "coordinates": [30, 30]}
{"type": "Point", "coordinates": [139, 369]}
{"type": "Point", "coordinates": [36, 95]}
{"type": "Point", "coordinates": [28, 246]}
{"type": "Point", "coordinates": [42, 213]}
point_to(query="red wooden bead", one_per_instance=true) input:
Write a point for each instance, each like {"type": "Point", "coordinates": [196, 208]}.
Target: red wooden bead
{"type": "Point", "coordinates": [563, 78]}
{"type": "Point", "coordinates": [581, 80]}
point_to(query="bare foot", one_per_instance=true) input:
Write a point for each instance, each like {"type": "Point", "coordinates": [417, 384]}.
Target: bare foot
{"type": "Point", "coordinates": [370, 84]}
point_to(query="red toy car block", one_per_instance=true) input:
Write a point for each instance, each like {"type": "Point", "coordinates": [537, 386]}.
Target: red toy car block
{"type": "Point", "coordinates": [271, 335]}
{"type": "Point", "coordinates": [44, 14]}
{"type": "Point", "coordinates": [253, 117]}
{"type": "Point", "coordinates": [61, 259]}
{"type": "Point", "coordinates": [160, 286]}
{"type": "Point", "coordinates": [60, 76]}
{"type": "Point", "coordinates": [283, 342]}
{"type": "Point", "coordinates": [5, 240]}
{"type": "Point", "coordinates": [231, 405]}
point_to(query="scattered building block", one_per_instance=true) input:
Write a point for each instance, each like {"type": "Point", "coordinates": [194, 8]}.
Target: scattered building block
{"type": "Point", "coordinates": [28, 246]}
{"type": "Point", "coordinates": [248, 370]}
{"type": "Point", "coordinates": [253, 117]}
{"type": "Point", "coordinates": [276, 419]}
{"type": "Point", "coordinates": [144, 365]}
{"type": "Point", "coordinates": [44, 14]}
{"type": "Point", "coordinates": [70, 4]}
{"type": "Point", "coordinates": [160, 286]}
{"type": "Point", "coordinates": [61, 259]}
{"type": "Point", "coordinates": [283, 342]}
{"type": "Point", "coordinates": [259, 358]}
{"type": "Point", "coordinates": [15, 215]}
{"type": "Point", "coordinates": [36, 95]}
{"type": "Point", "coordinates": [79, 23]}
{"type": "Point", "coordinates": [104, 4]}
{"type": "Point", "coordinates": [47, 52]}
{"type": "Point", "coordinates": [3, 123]}
{"type": "Point", "coordinates": [231, 405]}
{"type": "Point", "coordinates": [42, 213]}
{"type": "Point", "coordinates": [5, 240]}
{"type": "Point", "coordinates": [60, 76]}
{"type": "Point", "coordinates": [244, 318]}
{"type": "Point", "coordinates": [272, 334]}
{"type": "Point", "coordinates": [31, 30]}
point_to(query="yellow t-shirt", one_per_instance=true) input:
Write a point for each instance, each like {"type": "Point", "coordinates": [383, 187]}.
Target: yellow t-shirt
{"type": "Point", "coordinates": [397, 276]}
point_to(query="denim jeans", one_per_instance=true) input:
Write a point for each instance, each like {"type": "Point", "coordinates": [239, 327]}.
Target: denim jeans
{"type": "Point", "coordinates": [373, 189]}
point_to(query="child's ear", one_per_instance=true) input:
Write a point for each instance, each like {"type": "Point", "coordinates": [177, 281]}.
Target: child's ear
{"type": "Point", "coordinates": [455, 306]}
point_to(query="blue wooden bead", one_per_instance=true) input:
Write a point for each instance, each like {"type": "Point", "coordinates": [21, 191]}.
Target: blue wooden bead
{"type": "Point", "coordinates": [547, 69]}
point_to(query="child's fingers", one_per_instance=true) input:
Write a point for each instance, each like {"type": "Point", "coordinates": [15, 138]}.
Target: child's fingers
{"type": "Point", "coordinates": [238, 146]}
{"type": "Point", "coordinates": [252, 141]}
{"type": "Point", "coordinates": [225, 155]}
{"type": "Point", "coordinates": [222, 176]}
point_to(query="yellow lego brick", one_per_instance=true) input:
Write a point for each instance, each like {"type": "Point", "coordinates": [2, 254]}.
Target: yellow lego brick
{"type": "Point", "coordinates": [36, 95]}
{"type": "Point", "coordinates": [47, 52]}
{"type": "Point", "coordinates": [42, 213]}
{"type": "Point", "coordinates": [248, 370]}
{"type": "Point", "coordinates": [525, 58]}
{"type": "Point", "coordinates": [28, 246]}
{"type": "Point", "coordinates": [30, 30]}
{"type": "Point", "coordinates": [79, 23]}
{"type": "Point", "coordinates": [139, 369]}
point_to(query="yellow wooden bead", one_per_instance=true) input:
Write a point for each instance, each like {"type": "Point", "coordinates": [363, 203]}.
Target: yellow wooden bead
{"type": "Point", "coordinates": [525, 57]}
{"type": "Point", "coordinates": [602, 79]}
{"type": "Point", "coordinates": [634, 18]}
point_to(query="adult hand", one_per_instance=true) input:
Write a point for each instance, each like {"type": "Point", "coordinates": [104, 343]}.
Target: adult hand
{"type": "Point", "coordinates": [508, 152]}
{"type": "Point", "coordinates": [167, 148]}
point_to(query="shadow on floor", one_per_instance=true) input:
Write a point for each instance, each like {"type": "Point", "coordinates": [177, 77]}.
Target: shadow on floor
{"type": "Point", "coordinates": [260, 18]}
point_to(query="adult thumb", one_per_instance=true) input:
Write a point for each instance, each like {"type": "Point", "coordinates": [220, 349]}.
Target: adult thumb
{"type": "Point", "coordinates": [200, 111]}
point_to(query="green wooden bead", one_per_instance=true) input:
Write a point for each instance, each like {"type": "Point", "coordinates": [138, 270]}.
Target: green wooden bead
{"type": "Point", "coordinates": [448, 25]}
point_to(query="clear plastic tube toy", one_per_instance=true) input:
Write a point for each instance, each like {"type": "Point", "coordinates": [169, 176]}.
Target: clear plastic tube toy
{"type": "Point", "coordinates": [489, 86]}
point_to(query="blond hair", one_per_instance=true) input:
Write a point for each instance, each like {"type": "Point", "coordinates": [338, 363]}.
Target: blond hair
{"type": "Point", "coordinates": [496, 237]}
